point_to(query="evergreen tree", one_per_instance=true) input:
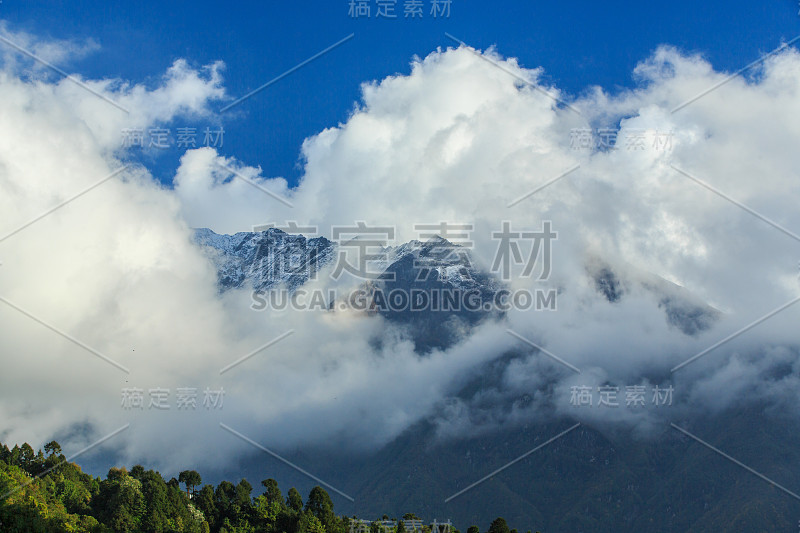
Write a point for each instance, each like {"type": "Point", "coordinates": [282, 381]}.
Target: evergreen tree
{"type": "Point", "coordinates": [52, 448]}
{"type": "Point", "coordinates": [294, 501]}
{"type": "Point", "coordinates": [266, 513]}
{"type": "Point", "coordinates": [26, 456]}
{"type": "Point", "coordinates": [137, 471]}
{"type": "Point", "coordinates": [320, 505]}
{"type": "Point", "coordinates": [205, 502]}
{"type": "Point", "coordinates": [243, 490]}
{"type": "Point", "coordinates": [310, 524]}
{"type": "Point", "coordinates": [154, 490]}
{"type": "Point", "coordinates": [272, 492]}
{"type": "Point", "coordinates": [120, 502]}
{"type": "Point", "coordinates": [224, 499]}
{"type": "Point", "coordinates": [499, 526]}
{"type": "Point", "coordinates": [191, 478]}
{"type": "Point", "coordinates": [13, 456]}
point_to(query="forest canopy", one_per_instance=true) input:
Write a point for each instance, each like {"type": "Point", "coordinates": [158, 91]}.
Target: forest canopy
{"type": "Point", "coordinates": [44, 492]}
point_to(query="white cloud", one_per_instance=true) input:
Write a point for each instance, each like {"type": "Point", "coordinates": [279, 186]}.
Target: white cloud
{"type": "Point", "coordinates": [457, 139]}
{"type": "Point", "coordinates": [56, 53]}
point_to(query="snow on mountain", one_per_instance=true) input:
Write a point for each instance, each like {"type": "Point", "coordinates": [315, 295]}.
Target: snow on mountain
{"type": "Point", "coordinates": [273, 259]}
{"type": "Point", "coordinates": [266, 259]}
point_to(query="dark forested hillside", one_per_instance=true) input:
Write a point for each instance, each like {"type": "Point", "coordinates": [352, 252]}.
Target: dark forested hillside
{"type": "Point", "coordinates": [46, 493]}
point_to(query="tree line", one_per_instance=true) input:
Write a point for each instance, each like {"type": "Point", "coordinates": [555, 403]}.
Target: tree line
{"type": "Point", "coordinates": [44, 493]}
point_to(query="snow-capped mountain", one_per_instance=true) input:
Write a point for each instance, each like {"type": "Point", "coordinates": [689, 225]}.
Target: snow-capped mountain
{"type": "Point", "coordinates": [426, 271]}
{"type": "Point", "coordinates": [266, 259]}
{"type": "Point", "coordinates": [273, 259]}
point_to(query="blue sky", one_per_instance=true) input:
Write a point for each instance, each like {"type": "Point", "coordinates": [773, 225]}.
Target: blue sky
{"type": "Point", "coordinates": [578, 44]}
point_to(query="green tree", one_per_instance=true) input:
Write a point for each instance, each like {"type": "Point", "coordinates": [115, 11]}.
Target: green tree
{"type": "Point", "coordinates": [37, 466]}
{"type": "Point", "coordinates": [272, 492]}
{"type": "Point", "coordinates": [310, 524]}
{"type": "Point", "coordinates": [157, 512]}
{"type": "Point", "coordinates": [320, 505]}
{"type": "Point", "coordinates": [13, 456]}
{"type": "Point", "coordinates": [224, 499]}
{"type": "Point", "coordinates": [52, 448]}
{"type": "Point", "coordinates": [205, 501]}
{"type": "Point", "coordinates": [120, 502]}
{"type": "Point", "coordinates": [266, 512]}
{"type": "Point", "coordinates": [242, 508]}
{"type": "Point", "coordinates": [137, 471]}
{"type": "Point", "coordinates": [74, 495]}
{"type": "Point", "coordinates": [473, 529]}
{"type": "Point", "coordinates": [26, 457]}
{"type": "Point", "coordinates": [288, 521]}
{"type": "Point", "coordinates": [294, 501]}
{"type": "Point", "coordinates": [191, 479]}
{"type": "Point", "coordinates": [499, 526]}
{"type": "Point", "coordinates": [243, 490]}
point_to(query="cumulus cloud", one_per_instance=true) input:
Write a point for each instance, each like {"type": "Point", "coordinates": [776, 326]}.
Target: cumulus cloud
{"type": "Point", "coordinates": [420, 148]}
{"type": "Point", "coordinates": [457, 139]}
